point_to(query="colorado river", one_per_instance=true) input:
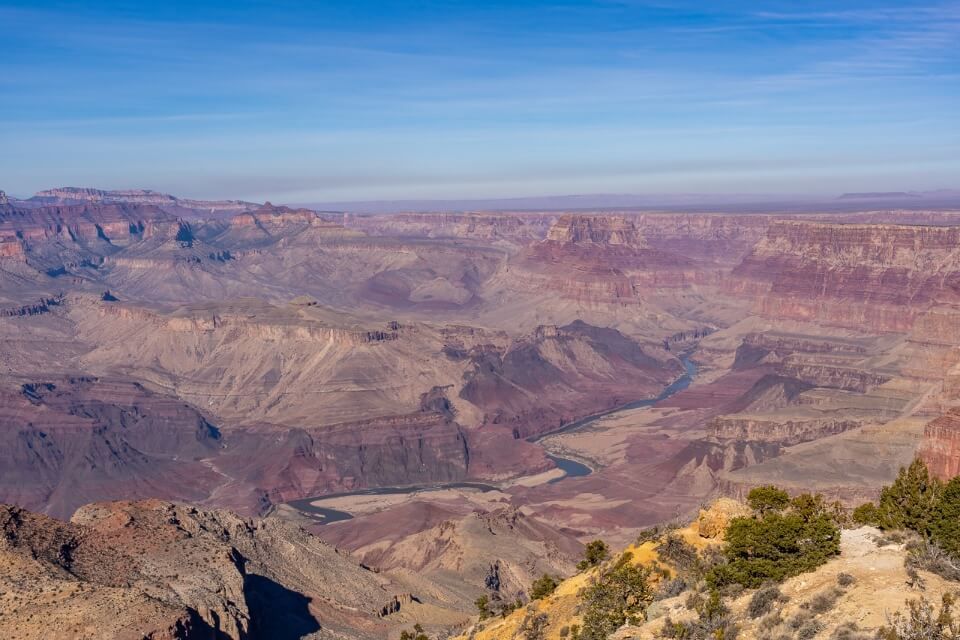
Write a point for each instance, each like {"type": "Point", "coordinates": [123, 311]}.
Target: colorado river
{"type": "Point", "coordinates": [571, 468]}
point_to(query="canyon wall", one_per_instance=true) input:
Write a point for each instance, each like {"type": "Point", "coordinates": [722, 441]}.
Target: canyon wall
{"type": "Point", "coordinates": [941, 445]}
{"type": "Point", "coordinates": [868, 277]}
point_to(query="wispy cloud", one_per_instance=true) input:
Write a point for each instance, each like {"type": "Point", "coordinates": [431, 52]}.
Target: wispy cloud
{"type": "Point", "coordinates": [399, 93]}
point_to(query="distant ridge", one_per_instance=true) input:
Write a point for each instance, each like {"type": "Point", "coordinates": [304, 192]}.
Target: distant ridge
{"type": "Point", "coordinates": [693, 202]}
{"type": "Point", "coordinates": [880, 195]}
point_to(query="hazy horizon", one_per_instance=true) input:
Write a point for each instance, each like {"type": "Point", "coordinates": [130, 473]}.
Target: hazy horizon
{"type": "Point", "coordinates": [388, 100]}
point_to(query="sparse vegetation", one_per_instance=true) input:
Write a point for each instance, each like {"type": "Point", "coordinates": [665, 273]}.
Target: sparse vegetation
{"type": "Point", "coordinates": [845, 579]}
{"type": "Point", "coordinates": [783, 538]}
{"type": "Point", "coordinates": [761, 603]}
{"type": "Point", "coordinates": [921, 504]}
{"type": "Point", "coordinates": [923, 622]}
{"type": "Point", "coordinates": [891, 538]}
{"type": "Point", "coordinates": [713, 622]}
{"type": "Point", "coordinates": [483, 606]}
{"type": "Point", "coordinates": [823, 601]}
{"type": "Point", "coordinates": [927, 555]}
{"type": "Point", "coordinates": [945, 527]}
{"type": "Point", "coordinates": [866, 514]}
{"type": "Point", "coordinates": [849, 631]}
{"type": "Point", "coordinates": [778, 544]}
{"type": "Point", "coordinates": [618, 595]}
{"type": "Point", "coordinates": [670, 588]}
{"type": "Point", "coordinates": [678, 552]}
{"type": "Point", "coordinates": [809, 630]}
{"type": "Point", "coordinates": [770, 622]}
{"type": "Point", "coordinates": [595, 552]}
{"type": "Point", "coordinates": [767, 498]}
{"type": "Point", "coordinates": [543, 587]}
{"type": "Point", "coordinates": [416, 634]}
{"type": "Point", "coordinates": [534, 626]}
{"type": "Point", "coordinates": [649, 534]}
{"type": "Point", "coordinates": [911, 501]}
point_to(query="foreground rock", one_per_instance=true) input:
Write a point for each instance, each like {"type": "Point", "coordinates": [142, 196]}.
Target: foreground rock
{"type": "Point", "coordinates": [159, 570]}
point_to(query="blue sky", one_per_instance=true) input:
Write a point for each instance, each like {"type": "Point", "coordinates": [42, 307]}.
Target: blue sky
{"type": "Point", "coordinates": [365, 100]}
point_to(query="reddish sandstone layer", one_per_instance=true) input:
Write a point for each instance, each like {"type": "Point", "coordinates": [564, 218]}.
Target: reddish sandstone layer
{"type": "Point", "coordinates": [605, 259]}
{"type": "Point", "coordinates": [941, 445]}
{"type": "Point", "coordinates": [870, 277]}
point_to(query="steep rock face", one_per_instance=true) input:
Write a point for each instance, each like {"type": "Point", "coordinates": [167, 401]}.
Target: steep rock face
{"type": "Point", "coordinates": [72, 242]}
{"type": "Point", "coordinates": [599, 259]}
{"type": "Point", "coordinates": [581, 368]}
{"type": "Point", "coordinates": [940, 448]}
{"type": "Point", "coordinates": [159, 570]}
{"type": "Point", "coordinates": [68, 441]}
{"type": "Point", "coordinates": [721, 238]}
{"type": "Point", "coordinates": [872, 277]}
{"type": "Point", "coordinates": [769, 393]}
{"type": "Point", "coordinates": [86, 222]}
{"type": "Point", "coordinates": [283, 465]}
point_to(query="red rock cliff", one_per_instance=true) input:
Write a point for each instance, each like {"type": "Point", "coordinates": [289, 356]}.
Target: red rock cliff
{"type": "Point", "coordinates": [873, 277]}
{"type": "Point", "coordinates": [941, 445]}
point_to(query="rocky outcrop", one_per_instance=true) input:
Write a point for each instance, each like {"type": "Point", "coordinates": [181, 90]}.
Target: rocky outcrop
{"type": "Point", "coordinates": [940, 448]}
{"type": "Point", "coordinates": [36, 308]}
{"type": "Point", "coordinates": [781, 430]}
{"type": "Point", "coordinates": [605, 230]}
{"type": "Point", "coordinates": [773, 347]}
{"type": "Point", "coordinates": [10, 246]}
{"type": "Point", "coordinates": [159, 570]}
{"type": "Point", "coordinates": [834, 376]}
{"type": "Point", "coordinates": [270, 215]}
{"type": "Point", "coordinates": [68, 441]}
{"type": "Point", "coordinates": [498, 551]}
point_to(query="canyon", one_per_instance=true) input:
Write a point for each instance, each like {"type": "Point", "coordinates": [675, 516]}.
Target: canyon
{"type": "Point", "coordinates": [192, 371]}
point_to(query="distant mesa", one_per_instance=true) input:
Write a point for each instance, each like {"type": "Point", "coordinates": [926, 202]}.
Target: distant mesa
{"type": "Point", "coordinates": [82, 195]}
